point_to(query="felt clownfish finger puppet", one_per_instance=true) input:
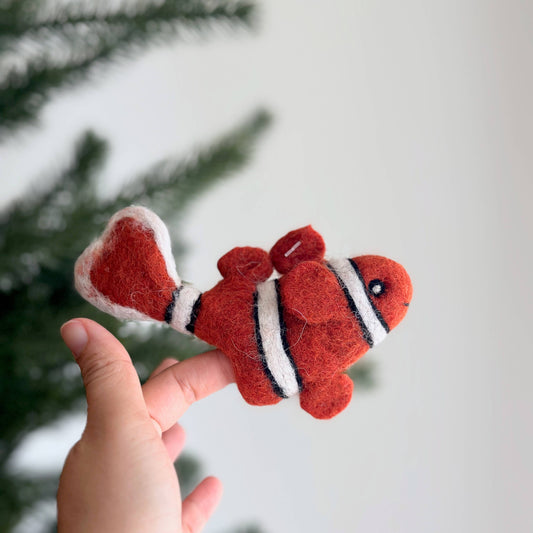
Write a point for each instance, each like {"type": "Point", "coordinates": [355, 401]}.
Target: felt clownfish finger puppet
{"type": "Point", "coordinates": [294, 334]}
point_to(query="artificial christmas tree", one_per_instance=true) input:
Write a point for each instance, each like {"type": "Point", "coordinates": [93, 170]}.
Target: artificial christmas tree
{"type": "Point", "coordinates": [46, 48]}
{"type": "Point", "coordinates": [42, 50]}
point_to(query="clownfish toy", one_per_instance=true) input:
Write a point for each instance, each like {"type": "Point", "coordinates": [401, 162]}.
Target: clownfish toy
{"type": "Point", "coordinates": [294, 334]}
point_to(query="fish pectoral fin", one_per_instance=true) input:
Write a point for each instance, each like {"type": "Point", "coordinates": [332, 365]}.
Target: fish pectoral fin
{"type": "Point", "coordinates": [311, 292]}
{"type": "Point", "coordinates": [325, 399]}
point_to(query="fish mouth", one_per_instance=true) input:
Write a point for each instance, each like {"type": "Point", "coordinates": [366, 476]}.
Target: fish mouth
{"type": "Point", "coordinates": [406, 304]}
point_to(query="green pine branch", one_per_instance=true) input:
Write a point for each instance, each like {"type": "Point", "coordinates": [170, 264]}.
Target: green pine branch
{"type": "Point", "coordinates": [33, 233]}
{"type": "Point", "coordinates": [30, 225]}
{"type": "Point", "coordinates": [43, 50]}
{"type": "Point", "coordinates": [39, 241]}
{"type": "Point", "coordinates": [186, 11]}
{"type": "Point", "coordinates": [174, 182]}
{"type": "Point", "coordinates": [363, 374]}
{"type": "Point", "coordinates": [40, 238]}
{"type": "Point", "coordinates": [70, 46]}
{"type": "Point", "coordinates": [20, 492]}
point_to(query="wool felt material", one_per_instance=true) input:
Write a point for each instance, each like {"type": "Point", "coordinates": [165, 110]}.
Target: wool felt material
{"type": "Point", "coordinates": [295, 334]}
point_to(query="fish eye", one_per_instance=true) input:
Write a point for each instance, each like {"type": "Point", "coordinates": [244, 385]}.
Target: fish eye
{"type": "Point", "coordinates": [376, 287]}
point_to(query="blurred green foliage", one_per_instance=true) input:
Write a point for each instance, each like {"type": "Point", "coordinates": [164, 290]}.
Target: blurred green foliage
{"type": "Point", "coordinates": [46, 47]}
{"type": "Point", "coordinates": [40, 238]}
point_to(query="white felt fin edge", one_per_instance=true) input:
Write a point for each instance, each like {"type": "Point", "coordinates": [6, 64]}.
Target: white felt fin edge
{"type": "Point", "coordinates": [151, 221]}
{"type": "Point", "coordinates": [82, 268]}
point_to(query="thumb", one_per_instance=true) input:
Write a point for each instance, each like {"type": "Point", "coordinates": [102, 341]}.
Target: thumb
{"type": "Point", "coordinates": [113, 390]}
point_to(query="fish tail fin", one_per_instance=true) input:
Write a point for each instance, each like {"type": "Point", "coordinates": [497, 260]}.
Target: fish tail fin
{"type": "Point", "coordinates": [130, 272]}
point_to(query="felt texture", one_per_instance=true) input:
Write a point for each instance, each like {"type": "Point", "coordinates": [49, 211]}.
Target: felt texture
{"type": "Point", "coordinates": [272, 343]}
{"type": "Point", "coordinates": [250, 263]}
{"type": "Point", "coordinates": [295, 334]}
{"type": "Point", "coordinates": [226, 320]}
{"type": "Point", "coordinates": [132, 250]}
{"type": "Point", "coordinates": [358, 296]}
{"type": "Point", "coordinates": [324, 399]}
{"type": "Point", "coordinates": [398, 291]}
{"type": "Point", "coordinates": [183, 310]}
{"type": "Point", "coordinates": [301, 297]}
{"type": "Point", "coordinates": [129, 272]}
{"type": "Point", "coordinates": [303, 244]}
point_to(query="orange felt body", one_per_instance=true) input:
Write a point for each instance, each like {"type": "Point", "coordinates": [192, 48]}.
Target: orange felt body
{"type": "Point", "coordinates": [318, 323]}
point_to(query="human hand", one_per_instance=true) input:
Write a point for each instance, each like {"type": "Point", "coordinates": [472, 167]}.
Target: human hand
{"type": "Point", "coordinates": [120, 476]}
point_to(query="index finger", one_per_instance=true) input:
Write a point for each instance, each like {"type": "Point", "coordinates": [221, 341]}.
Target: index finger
{"type": "Point", "coordinates": [169, 394]}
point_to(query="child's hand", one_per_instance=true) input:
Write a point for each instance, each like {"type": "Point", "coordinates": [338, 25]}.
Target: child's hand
{"type": "Point", "coordinates": [120, 476]}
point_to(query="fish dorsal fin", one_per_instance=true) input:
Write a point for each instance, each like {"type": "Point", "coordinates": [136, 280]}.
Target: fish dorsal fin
{"type": "Point", "coordinates": [303, 244]}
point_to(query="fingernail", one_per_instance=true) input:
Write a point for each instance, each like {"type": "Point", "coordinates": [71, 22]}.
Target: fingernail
{"type": "Point", "coordinates": [75, 336]}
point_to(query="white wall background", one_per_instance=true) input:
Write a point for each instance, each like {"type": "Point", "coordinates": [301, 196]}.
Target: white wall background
{"type": "Point", "coordinates": [402, 128]}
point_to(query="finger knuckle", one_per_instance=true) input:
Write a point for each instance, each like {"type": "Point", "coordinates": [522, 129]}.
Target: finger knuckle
{"type": "Point", "coordinates": [97, 367]}
{"type": "Point", "coordinates": [190, 395]}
